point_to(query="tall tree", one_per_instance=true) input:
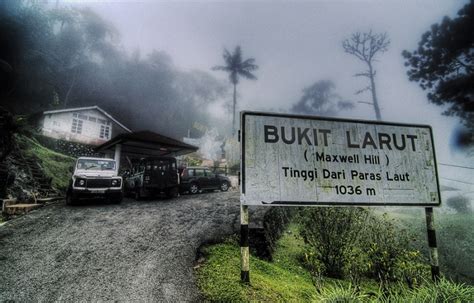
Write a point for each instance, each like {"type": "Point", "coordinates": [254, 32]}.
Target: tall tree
{"type": "Point", "coordinates": [443, 65]}
{"type": "Point", "coordinates": [320, 99]}
{"type": "Point", "coordinates": [72, 57]}
{"type": "Point", "coordinates": [237, 67]}
{"type": "Point", "coordinates": [366, 47]}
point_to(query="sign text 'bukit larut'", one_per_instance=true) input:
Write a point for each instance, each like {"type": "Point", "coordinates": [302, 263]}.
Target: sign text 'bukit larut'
{"type": "Point", "coordinates": [297, 160]}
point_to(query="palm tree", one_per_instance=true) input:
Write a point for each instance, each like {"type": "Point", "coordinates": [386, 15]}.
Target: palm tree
{"type": "Point", "coordinates": [237, 68]}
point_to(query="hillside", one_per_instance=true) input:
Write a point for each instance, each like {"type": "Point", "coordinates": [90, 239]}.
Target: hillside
{"type": "Point", "coordinates": [36, 170]}
{"type": "Point", "coordinates": [286, 279]}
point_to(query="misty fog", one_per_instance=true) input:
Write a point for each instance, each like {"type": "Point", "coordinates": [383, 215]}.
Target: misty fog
{"type": "Point", "coordinates": [150, 63]}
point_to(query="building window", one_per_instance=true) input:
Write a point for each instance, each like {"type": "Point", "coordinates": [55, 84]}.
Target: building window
{"type": "Point", "coordinates": [76, 126]}
{"type": "Point", "coordinates": [93, 119]}
{"type": "Point", "coordinates": [104, 132]}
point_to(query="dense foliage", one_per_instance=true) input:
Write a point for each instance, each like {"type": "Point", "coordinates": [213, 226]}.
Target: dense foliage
{"type": "Point", "coordinates": [460, 204]}
{"type": "Point", "coordinates": [443, 64]}
{"type": "Point", "coordinates": [355, 243]}
{"type": "Point", "coordinates": [285, 280]}
{"type": "Point", "coordinates": [70, 57]}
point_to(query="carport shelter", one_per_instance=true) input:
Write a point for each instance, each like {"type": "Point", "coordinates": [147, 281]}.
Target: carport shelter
{"type": "Point", "coordinates": [144, 144]}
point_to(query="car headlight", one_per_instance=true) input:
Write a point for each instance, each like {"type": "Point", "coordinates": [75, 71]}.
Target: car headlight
{"type": "Point", "coordinates": [80, 182]}
{"type": "Point", "coordinates": [116, 182]}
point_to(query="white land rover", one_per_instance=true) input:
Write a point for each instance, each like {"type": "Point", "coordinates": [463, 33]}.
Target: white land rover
{"type": "Point", "coordinates": [95, 178]}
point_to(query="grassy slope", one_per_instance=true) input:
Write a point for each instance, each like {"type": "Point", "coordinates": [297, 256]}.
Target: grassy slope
{"type": "Point", "coordinates": [55, 165]}
{"type": "Point", "coordinates": [284, 280]}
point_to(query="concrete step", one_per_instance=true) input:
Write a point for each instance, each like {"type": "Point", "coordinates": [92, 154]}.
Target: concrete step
{"type": "Point", "coordinates": [49, 199]}
{"type": "Point", "coordinates": [6, 202]}
{"type": "Point", "coordinates": [20, 209]}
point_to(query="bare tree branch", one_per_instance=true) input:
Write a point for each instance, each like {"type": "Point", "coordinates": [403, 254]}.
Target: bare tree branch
{"type": "Point", "coordinates": [365, 47]}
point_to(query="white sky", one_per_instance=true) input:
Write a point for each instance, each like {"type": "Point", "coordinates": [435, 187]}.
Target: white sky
{"type": "Point", "coordinates": [296, 44]}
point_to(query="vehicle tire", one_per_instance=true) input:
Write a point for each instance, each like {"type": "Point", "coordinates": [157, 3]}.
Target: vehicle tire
{"type": "Point", "coordinates": [138, 194]}
{"type": "Point", "coordinates": [172, 192]}
{"type": "Point", "coordinates": [194, 188]}
{"type": "Point", "coordinates": [116, 200]}
{"type": "Point", "coordinates": [70, 200]}
{"type": "Point", "coordinates": [224, 186]}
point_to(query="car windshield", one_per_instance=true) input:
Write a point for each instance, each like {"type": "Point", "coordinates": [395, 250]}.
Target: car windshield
{"type": "Point", "coordinates": [95, 164]}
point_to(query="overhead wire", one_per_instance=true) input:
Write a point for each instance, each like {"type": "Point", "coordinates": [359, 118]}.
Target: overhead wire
{"type": "Point", "coordinates": [457, 180]}
{"type": "Point", "coordinates": [453, 165]}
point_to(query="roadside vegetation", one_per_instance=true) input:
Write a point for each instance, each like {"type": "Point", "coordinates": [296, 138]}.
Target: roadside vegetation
{"type": "Point", "coordinates": [364, 257]}
{"type": "Point", "coordinates": [454, 235]}
{"type": "Point", "coordinates": [54, 165]}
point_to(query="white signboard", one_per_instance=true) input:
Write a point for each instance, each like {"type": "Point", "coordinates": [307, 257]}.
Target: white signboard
{"type": "Point", "coordinates": [298, 160]}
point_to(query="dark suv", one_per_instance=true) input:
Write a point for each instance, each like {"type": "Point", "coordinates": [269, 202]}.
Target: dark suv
{"type": "Point", "coordinates": [195, 179]}
{"type": "Point", "coordinates": [152, 176]}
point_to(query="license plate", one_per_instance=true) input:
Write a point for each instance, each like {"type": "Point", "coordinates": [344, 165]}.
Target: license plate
{"type": "Point", "coordinates": [97, 191]}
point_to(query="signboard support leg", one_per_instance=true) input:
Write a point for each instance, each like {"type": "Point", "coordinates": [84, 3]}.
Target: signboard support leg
{"type": "Point", "coordinates": [244, 244]}
{"type": "Point", "coordinates": [434, 262]}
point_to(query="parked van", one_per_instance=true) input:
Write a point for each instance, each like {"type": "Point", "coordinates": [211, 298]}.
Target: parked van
{"type": "Point", "coordinates": [151, 177]}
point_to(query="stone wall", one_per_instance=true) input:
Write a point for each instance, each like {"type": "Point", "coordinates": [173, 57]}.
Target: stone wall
{"type": "Point", "coordinates": [72, 149]}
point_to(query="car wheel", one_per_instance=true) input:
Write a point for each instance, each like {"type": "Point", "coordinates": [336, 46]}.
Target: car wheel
{"type": "Point", "coordinates": [117, 200]}
{"type": "Point", "coordinates": [138, 194]}
{"type": "Point", "coordinates": [172, 192]}
{"type": "Point", "coordinates": [194, 188]}
{"type": "Point", "coordinates": [70, 200]}
{"type": "Point", "coordinates": [225, 186]}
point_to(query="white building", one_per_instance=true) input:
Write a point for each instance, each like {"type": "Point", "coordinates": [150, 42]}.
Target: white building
{"type": "Point", "coordinates": [88, 125]}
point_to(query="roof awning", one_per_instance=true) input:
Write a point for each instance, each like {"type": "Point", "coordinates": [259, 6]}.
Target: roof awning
{"type": "Point", "coordinates": [147, 144]}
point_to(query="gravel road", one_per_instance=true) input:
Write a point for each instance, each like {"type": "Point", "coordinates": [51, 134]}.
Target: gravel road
{"type": "Point", "coordinates": [136, 251]}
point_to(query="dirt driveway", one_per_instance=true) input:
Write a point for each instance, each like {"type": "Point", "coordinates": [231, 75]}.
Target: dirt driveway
{"type": "Point", "coordinates": [137, 251]}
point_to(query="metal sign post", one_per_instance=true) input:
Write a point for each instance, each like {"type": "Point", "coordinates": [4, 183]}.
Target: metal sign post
{"type": "Point", "coordinates": [312, 161]}
{"type": "Point", "coordinates": [244, 244]}
{"type": "Point", "coordinates": [435, 274]}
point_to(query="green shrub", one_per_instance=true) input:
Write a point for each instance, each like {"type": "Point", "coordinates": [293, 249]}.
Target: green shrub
{"type": "Point", "coordinates": [455, 242]}
{"type": "Point", "coordinates": [330, 232]}
{"type": "Point", "coordinates": [341, 294]}
{"type": "Point", "coordinates": [456, 246]}
{"type": "Point", "coordinates": [355, 243]}
{"type": "Point", "coordinates": [460, 204]}
{"type": "Point", "coordinates": [388, 251]}
{"type": "Point", "coordinates": [443, 291]}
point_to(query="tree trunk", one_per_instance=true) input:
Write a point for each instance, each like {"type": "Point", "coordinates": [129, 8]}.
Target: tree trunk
{"type": "Point", "coordinates": [233, 110]}
{"type": "Point", "coordinates": [374, 94]}
{"type": "Point", "coordinates": [66, 99]}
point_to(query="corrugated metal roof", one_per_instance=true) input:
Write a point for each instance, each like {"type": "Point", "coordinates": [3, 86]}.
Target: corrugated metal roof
{"type": "Point", "coordinates": [148, 143]}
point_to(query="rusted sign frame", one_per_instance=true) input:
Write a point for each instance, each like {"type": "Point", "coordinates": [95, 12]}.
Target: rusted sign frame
{"type": "Point", "coordinates": [313, 203]}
